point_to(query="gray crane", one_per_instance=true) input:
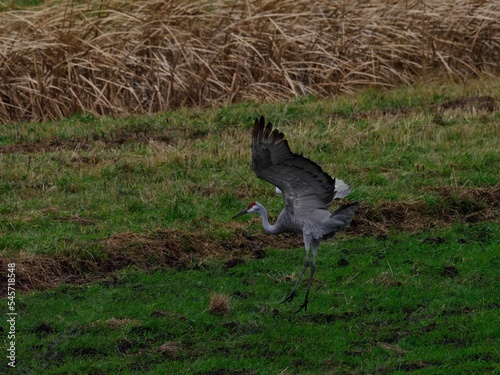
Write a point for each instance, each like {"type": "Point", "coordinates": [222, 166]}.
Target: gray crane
{"type": "Point", "coordinates": [307, 190]}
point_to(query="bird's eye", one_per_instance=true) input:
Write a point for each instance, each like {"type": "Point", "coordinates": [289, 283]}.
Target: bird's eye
{"type": "Point", "coordinates": [251, 205]}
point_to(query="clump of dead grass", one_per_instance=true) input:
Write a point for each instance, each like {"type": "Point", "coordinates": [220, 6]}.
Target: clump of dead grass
{"type": "Point", "coordinates": [122, 57]}
{"type": "Point", "coordinates": [219, 304]}
{"type": "Point", "coordinates": [170, 348]}
{"type": "Point", "coordinates": [115, 323]}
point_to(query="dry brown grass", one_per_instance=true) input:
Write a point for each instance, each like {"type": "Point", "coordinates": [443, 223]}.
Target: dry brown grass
{"type": "Point", "coordinates": [170, 349]}
{"type": "Point", "coordinates": [115, 323]}
{"type": "Point", "coordinates": [122, 57]}
{"type": "Point", "coordinates": [219, 304]}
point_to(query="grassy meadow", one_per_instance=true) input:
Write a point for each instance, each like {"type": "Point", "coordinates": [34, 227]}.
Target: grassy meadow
{"type": "Point", "coordinates": [127, 260]}
{"type": "Point", "coordinates": [125, 132]}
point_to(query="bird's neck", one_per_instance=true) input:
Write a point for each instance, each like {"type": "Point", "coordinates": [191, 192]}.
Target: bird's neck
{"type": "Point", "coordinates": [273, 229]}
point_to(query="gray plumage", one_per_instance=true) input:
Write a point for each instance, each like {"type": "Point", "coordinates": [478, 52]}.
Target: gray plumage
{"type": "Point", "coordinates": [307, 190]}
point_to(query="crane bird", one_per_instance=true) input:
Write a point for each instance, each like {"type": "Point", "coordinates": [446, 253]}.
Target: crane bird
{"type": "Point", "coordinates": [307, 190]}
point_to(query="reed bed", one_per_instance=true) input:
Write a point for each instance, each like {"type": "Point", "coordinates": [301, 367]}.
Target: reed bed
{"type": "Point", "coordinates": [114, 57]}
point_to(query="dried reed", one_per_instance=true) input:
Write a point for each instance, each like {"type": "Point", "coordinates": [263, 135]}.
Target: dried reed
{"type": "Point", "coordinates": [123, 57]}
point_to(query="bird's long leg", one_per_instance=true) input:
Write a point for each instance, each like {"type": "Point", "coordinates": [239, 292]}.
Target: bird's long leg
{"type": "Point", "coordinates": [315, 245]}
{"type": "Point", "coordinates": [307, 244]}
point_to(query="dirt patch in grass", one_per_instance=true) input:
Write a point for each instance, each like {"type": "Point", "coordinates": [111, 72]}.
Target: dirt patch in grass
{"type": "Point", "coordinates": [161, 249]}
{"type": "Point", "coordinates": [465, 104]}
{"type": "Point", "coordinates": [469, 205]}
{"type": "Point", "coordinates": [176, 249]}
{"type": "Point", "coordinates": [474, 103]}
{"type": "Point", "coordinates": [186, 250]}
{"type": "Point", "coordinates": [112, 139]}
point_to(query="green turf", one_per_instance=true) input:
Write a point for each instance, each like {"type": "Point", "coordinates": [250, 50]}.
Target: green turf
{"type": "Point", "coordinates": [400, 304]}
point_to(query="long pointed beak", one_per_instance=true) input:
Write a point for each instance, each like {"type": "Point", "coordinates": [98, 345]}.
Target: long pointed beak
{"type": "Point", "coordinates": [244, 212]}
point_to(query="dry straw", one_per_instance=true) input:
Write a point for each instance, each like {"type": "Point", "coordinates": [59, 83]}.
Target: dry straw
{"type": "Point", "coordinates": [121, 57]}
{"type": "Point", "coordinates": [219, 304]}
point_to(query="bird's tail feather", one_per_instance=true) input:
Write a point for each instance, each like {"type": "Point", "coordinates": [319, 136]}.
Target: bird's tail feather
{"type": "Point", "coordinates": [345, 213]}
{"type": "Point", "coordinates": [339, 219]}
{"type": "Point", "coordinates": [341, 189]}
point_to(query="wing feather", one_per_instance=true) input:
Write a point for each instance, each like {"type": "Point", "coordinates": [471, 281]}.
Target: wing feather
{"type": "Point", "coordinates": [305, 186]}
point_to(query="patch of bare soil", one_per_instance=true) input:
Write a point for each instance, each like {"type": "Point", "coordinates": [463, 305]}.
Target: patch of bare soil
{"type": "Point", "coordinates": [375, 113]}
{"type": "Point", "coordinates": [465, 104]}
{"type": "Point", "coordinates": [175, 249]}
{"type": "Point", "coordinates": [469, 205]}
{"type": "Point", "coordinates": [473, 103]}
{"type": "Point", "coordinates": [161, 249]}
{"type": "Point", "coordinates": [111, 139]}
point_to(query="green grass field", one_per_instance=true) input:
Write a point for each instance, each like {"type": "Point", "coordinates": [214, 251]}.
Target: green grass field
{"type": "Point", "coordinates": [120, 231]}
{"type": "Point", "coordinates": [397, 305]}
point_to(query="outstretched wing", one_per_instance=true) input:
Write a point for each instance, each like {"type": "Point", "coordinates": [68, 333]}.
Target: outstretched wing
{"type": "Point", "coordinates": [304, 184]}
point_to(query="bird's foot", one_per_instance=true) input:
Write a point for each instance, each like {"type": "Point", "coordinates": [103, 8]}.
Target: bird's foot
{"type": "Point", "coordinates": [289, 298]}
{"type": "Point", "coordinates": [302, 307]}
{"type": "Point", "coordinates": [304, 304]}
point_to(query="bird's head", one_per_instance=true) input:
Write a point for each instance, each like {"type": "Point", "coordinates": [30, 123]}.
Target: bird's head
{"type": "Point", "coordinates": [254, 207]}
